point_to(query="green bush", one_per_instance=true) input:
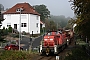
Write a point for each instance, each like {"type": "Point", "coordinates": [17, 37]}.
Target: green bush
{"type": "Point", "coordinates": [14, 55]}
{"type": "Point", "coordinates": [4, 31]}
{"type": "Point", "coordinates": [10, 55]}
{"type": "Point", "coordinates": [14, 35]}
{"type": "Point", "coordinates": [77, 54]}
{"type": "Point", "coordinates": [10, 29]}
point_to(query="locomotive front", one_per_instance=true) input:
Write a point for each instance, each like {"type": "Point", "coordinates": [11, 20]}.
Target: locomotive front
{"type": "Point", "coordinates": [48, 46]}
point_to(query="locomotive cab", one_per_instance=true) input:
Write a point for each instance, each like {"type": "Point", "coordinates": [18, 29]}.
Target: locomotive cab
{"type": "Point", "coordinates": [48, 42]}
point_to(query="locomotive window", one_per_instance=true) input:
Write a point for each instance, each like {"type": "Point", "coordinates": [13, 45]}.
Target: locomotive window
{"type": "Point", "coordinates": [53, 33]}
{"type": "Point", "coordinates": [56, 32]}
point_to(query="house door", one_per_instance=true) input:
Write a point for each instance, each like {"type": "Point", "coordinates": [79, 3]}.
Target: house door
{"type": "Point", "coordinates": [15, 26]}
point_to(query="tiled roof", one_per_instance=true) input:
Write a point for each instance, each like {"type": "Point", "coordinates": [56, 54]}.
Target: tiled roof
{"type": "Point", "coordinates": [27, 9]}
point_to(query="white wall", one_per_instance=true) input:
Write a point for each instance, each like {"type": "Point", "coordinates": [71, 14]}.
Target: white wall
{"type": "Point", "coordinates": [30, 19]}
{"type": "Point", "coordinates": [33, 21]}
{"type": "Point", "coordinates": [24, 20]}
{"type": "Point", "coordinates": [10, 18]}
{"type": "Point", "coordinates": [15, 19]}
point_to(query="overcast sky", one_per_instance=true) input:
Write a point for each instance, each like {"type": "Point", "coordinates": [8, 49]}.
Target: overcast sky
{"type": "Point", "coordinates": [56, 7]}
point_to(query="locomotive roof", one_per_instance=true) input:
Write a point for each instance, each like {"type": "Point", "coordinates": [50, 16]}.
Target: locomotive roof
{"type": "Point", "coordinates": [51, 31]}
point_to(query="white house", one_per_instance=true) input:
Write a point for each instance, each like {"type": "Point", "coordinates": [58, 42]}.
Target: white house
{"type": "Point", "coordinates": [25, 14]}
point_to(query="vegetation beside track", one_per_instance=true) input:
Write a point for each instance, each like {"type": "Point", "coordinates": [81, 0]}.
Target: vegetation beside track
{"type": "Point", "coordinates": [17, 55]}
{"type": "Point", "coordinates": [79, 52]}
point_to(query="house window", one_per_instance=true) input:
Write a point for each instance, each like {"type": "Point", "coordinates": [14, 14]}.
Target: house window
{"type": "Point", "coordinates": [18, 10]}
{"type": "Point", "coordinates": [37, 17]}
{"type": "Point", "coordinates": [23, 17]}
{"type": "Point", "coordinates": [36, 24]}
{"type": "Point", "coordinates": [0, 25]}
{"type": "Point", "coordinates": [23, 25]}
{"type": "Point", "coordinates": [8, 24]}
{"type": "Point", "coordinates": [8, 17]}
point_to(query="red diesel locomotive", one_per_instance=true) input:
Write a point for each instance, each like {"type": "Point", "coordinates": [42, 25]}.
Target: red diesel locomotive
{"type": "Point", "coordinates": [54, 42]}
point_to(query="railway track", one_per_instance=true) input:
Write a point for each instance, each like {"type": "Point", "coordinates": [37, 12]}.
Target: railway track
{"type": "Point", "coordinates": [61, 56]}
{"type": "Point", "coordinates": [45, 58]}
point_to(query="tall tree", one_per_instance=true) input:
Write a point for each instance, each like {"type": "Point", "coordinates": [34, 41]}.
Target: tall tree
{"type": "Point", "coordinates": [82, 10]}
{"type": "Point", "coordinates": [1, 7]}
{"type": "Point", "coordinates": [53, 26]}
{"type": "Point", "coordinates": [61, 20]}
{"type": "Point", "coordinates": [1, 17]}
{"type": "Point", "coordinates": [70, 24]}
{"type": "Point", "coordinates": [43, 10]}
{"type": "Point", "coordinates": [50, 25]}
{"type": "Point", "coordinates": [1, 31]}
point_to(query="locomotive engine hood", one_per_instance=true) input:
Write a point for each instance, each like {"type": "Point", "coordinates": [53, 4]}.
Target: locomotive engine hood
{"type": "Point", "coordinates": [48, 40]}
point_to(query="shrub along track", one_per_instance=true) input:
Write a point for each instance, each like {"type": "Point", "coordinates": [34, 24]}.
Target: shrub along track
{"type": "Point", "coordinates": [61, 54]}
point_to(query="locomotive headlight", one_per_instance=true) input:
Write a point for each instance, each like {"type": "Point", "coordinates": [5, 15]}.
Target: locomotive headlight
{"type": "Point", "coordinates": [9, 47]}
{"type": "Point", "coordinates": [45, 39]}
{"type": "Point", "coordinates": [67, 40]}
{"type": "Point", "coordinates": [51, 39]}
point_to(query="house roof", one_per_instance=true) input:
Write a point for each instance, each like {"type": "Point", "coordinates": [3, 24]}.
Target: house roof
{"type": "Point", "coordinates": [41, 22]}
{"type": "Point", "coordinates": [27, 9]}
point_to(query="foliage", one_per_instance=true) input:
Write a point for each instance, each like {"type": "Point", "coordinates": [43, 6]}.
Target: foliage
{"type": "Point", "coordinates": [6, 31]}
{"type": "Point", "coordinates": [61, 20]}
{"type": "Point", "coordinates": [23, 33]}
{"type": "Point", "coordinates": [1, 17]}
{"type": "Point", "coordinates": [2, 33]}
{"type": "Point", "coordinates": [43, 10]}
{"type": "Point", "coordinates": [42, 30]}
{"type": "Point", "coordinates": [1, 7]}
{"type": "Point", "coordinates": [77, 54]}
{"type": "Point", "coordinates": [15, 55]}
{"type": "Point", "coordinates": [15, 35]}
{"type": "Point", "coordinates": [50, 25]}
{"type": "Point", "coordinates": [53, 26]}
{"type": "Point", "coordinates": [82, 10]}
{"type": "Point", "coordinates": [1, 21]}
{"type": "Point", "coordinates": [1, 39]}
{"type": "Point", "coordinates": [10, 29]}
{"type": "Point", "coordinates": [70, 24]}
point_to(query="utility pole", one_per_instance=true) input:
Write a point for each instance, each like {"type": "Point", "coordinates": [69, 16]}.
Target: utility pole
{"type": "Point", "coordinates": [31, 41]}
{"type": "Point", "coordinates": [20, 28]}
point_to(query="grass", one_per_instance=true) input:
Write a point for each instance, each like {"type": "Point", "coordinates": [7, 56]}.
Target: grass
{"type": "Point", "coordinates": [17, 55]}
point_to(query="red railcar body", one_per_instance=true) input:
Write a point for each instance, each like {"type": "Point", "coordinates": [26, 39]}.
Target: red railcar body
{"type": "Point", "coordinates": [48, 41]}
{"type": "Point", "coordinates": [53, 41]}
